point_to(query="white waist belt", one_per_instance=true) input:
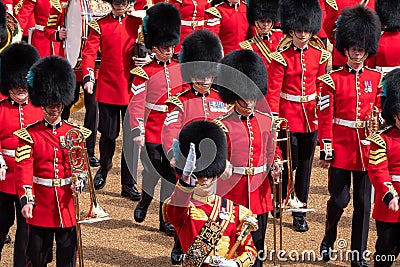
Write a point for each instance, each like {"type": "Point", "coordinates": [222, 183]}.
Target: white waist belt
{"type": "Point", "coordinates": [162, 108]}
{"type": "Point", "coordinates": [386, 69]}
{"type": "Point", "coordinates": [298, 98]}
{"type": "Point", "coordinates": [8, 152]}
{"type": "Point", "coordinates": [52, 182]}
{"type": "Point", "coordinates": [192, 23]}
{"type": "Point", "coordinates": [250, 170]}
{"type": "Point", "coordinates": [395, 178]}
{"type": "Point", "coordinates": [350, 124]}
{"type": "Point", "coordinates": [39, 27]}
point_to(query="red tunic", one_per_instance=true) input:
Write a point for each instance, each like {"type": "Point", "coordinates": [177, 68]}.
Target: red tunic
{"type": "Point", "coordinates": [187, 107]}
{"type": "Point", "coordinates": [188, 217]}
{"type": "Point", "coordinates": [249, 145]}
{"type": "Point", "coordinates": [13, 116]}
{"type": "Point", "coordinates": [384, 162]}
{"type": "Point", "coordinates": [388, 57]}
{"type": "Point", "coordinates": [229, 23]}
{"type": "Point", "coordinates": [31, 22]}
{"type": "Point", "coordinates": [347, 96]}
{"type": "Point", "coordinates": [44, 157]}
{"type": "Point", "coordinates": [322, 34]}
{"type": "Point", "coordinates": [294, 73]}
{"type": "Point", "coordinates": [115, 38]}
{"type": "Point", "coordinates": [152, 86]}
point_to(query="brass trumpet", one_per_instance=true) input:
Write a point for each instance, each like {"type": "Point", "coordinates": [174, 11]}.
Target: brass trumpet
{"type": "Point", "coordinates": [249, 224]}
{"type": "Point", "coordinates": [14, 32]}
{"type": "Point", "coordinates": [372, 120]}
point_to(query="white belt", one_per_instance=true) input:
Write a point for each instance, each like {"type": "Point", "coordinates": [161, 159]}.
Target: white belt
{"type": "Point", "coordinates": [250, 170]}
{"type": "Point", "coordinates": [298, 98]}
{"type": "Point", "coordinates": [162, 108]}
{"type": "Point", "coordinates": [52, 182]}
{"type": "Point", "coordinates": [39, 27]}
{"type": "Point", "coordinates": [350, 124]}
{"type": "Point", "coordinates": [386, 69]}
{"type": "Point", "coordinates": [192, 23]}
{"type": "Point", "coordinates": [8, 152]}
{"type": "Point", "coordinates": [395, 178]}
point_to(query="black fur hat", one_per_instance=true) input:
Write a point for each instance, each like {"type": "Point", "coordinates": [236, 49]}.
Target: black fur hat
{"type": "Point", "coordinates": [358, 26]}
{"type": "Point", "coordinates": [300, 15]}
{"type": "Point", "coordinates": [242, 75]}
{"type": "Point", "coordinates": [389, 13]}
{"type": "Point", "coordinates": [51, 80]}
{"type": "Point", "coordinates": [202, 47]}
{"type": "Point", "coordinates": [161, 25]}
{"type": "Point", "coordinates": [3, 22]}
{"type": "Point", "coordinates": [211, 148]}
{"type": "Point", "coordinates": [16, 60]}
{"type": "Point", "coordinates": [262, 9]}
{"type": "Point", "coordinates": [391, 100]}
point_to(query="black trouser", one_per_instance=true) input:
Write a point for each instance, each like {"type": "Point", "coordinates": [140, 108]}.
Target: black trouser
{"type": "Point", "coordinates": [109, 127]}
{"type": "Point", "coordinates": [40, 246]}
{"type": "Point", "coordinates": [9, 206]}
{"type": "Point", "coordinates": [339, 189]}
{"type": "Point", "coordinates": [388, 243]}
{"type": "Point", "coordinates": [259, 238]}
{"type": "Point", "coordinates": [156, 166]}
{"type": "Point", "coordinates": [302, 151]}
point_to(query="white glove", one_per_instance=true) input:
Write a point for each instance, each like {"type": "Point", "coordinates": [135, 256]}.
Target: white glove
{"type": "Point", "coordinates": [190, 164]}
{"type": "Point", "coordinates": [227, 263]}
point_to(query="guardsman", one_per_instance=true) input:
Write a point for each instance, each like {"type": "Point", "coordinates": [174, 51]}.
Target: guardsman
{"type": "Point", "coordinates": [152, 85]}
{"type": "Point", "coordinates": [333, 9]}
{"type": "Point", "coordinates": [242, 81]}
{"type": "Point", "coordinates": [115, 35]}
{"type": "Point", "coordinates": [228, 20]}
{"type": "Point", "coordinates": [16, 112]}
{"type": "Point", "coordinates": [263, 15]}
{"type": "Point", "coordinates": [43, 170]}
{"type": "Point", "coordinates": [195, 209]}
{"type": "Point", "coordinates": [348, 110]}
{"type": "Point", "coordinates": [384, 173]}
{"type": "Point", "coordinates": [293, 91]}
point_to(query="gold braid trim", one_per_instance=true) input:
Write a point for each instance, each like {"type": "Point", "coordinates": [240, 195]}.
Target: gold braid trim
{"type": "Point", "coordinates": [56, 4]}
{"type": "Point", "coordinates": [95, 26]}
{"type": "Point", "coordinates": [175, 101]}
{"type": "Point", "coordinates": [327, 79]}
{"type": "Point", "coordinates": [139, 71]}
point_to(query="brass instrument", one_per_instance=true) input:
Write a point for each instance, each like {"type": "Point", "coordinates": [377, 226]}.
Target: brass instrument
{"type": "Point", "coordinates": [249, 224]}
{"type": "Point", "coordinates": [14, 32]}
{"type": "Point", "coordinates": [372, 120]}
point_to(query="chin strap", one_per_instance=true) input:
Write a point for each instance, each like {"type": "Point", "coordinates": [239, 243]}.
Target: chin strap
{"type": "Point", "coordinates": [161, 55]}
{"type": "Point", "coordinates": [16, 98]}
{"type": "Point", "coordinates": [53, 117]}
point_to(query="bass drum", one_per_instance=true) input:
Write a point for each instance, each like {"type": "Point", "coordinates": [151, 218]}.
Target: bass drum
{"type": "Point", "coordinates": [78, 14]}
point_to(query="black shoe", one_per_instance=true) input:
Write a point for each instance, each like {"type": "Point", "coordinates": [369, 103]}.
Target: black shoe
{"type": "Point", "coordinates": [177, 256]}
{"type": "Point", "coordinates": [131, 192]}
{"type": "Point", "coordinates": [100, 179]}
{"type": "Point", "coordinates": [300, 224]}
{"type": "Point", "coordinates": [168, 228]}
{"type": "Point", "coordinates": [360, 263]}
{"type": "Point", "coordinates": [140, 213]}
{"type": "Point", "coordinates": [325, 251]}
{"type": "Point", "coordinates": [7, 239]}
{"type": "Point", "coordinates": [93, 161]}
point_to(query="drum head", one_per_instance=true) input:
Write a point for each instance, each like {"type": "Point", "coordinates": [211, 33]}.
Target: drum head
{"type": "Point", "coordinates": [74, 22]}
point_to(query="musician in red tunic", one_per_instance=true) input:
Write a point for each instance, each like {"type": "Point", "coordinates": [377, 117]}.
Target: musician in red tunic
{"type": "Point", "coordinates": [115, 35]}
{"type": "Point", "coordinates": [348, 97]}
{"type": "Point", "coordinates": [263, 15]}
{"type": "Point", "coordinates": [16, 112]}
{"type": "Point", "coordinates": [384, 173]}
{"type": "Point", "coordinates": [152, 85]}
{"type": "Point", "coordinates": [43, 170]}
{"type": "Point", "coordinates": [195, 209]}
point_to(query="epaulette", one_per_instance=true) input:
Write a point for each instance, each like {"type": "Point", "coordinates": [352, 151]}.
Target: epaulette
{"type": "Point", "coordinates": [23, 133]}
{"type": "Point", "coordinates": [327, 79]}
{"type": "Point", "coordinates": [139, 71]}
{"type": "Point", "coordinates": [284, 44]}
{"type": "Point", "coordinates": [213, 11]}
{"type": "Point", "coordinates": [175, 101]}
{"type": "Point", "coordinates": [246, 45]}
{"type": "Point", "coordinates": [325, 55]}
{"type": "Point", "coordinates": [95, 26]}
{"type": "Point", "coordinates": [85, 131]}
{"type": "Point", "coordinates": [221, 125]}
{"type": "Point", "coordinates": [332, 4]}
{"type": "Point", "coordinates": [56, 4]}
{"type": "Point", "coordinates": [377, 139]}
{"type": "Point", "coordinates": [179, 1]}
{"type": "Point", "coordinates": [18, 7]}
{"type": "Point", "coordinates": [278, 58]}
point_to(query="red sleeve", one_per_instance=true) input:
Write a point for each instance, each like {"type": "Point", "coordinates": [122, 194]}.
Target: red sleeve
{"type": "Point", "coordinates": [24, 170]}
{"type": "Point", "coordinates": [89, 54]}
{"type": "Point", "coordinates": [172, 125]}
{"type": "Point", "coordinates": [25, 13]}
{"type": "Point", "coordinates": [178, 206]}
{"type": "Point", "coordinates": [330, 21]}
{"type": "Point", "coordinates": [275, 81]}
{"type": "Point", "coordinates": [325, 120]}
{"type": "Point", "coordinates": [213, 23]}
{"type": "Point", "coordinates": [54, 21]}
{"type": "Point", "coordinates": [136, 106]}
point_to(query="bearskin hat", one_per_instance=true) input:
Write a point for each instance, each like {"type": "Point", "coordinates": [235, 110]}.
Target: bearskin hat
{"type": "Point", "coordinates": [391, 96]}
{"type": "Point", "coordinates": [358, 26]}
{"type": "Point", "coordinates": [3, 22]}
{"type": "Point", "coordinates": [161, 25]}
{"type": "Point", "coordinates": [201, 50]}
{"type": "Point", "coordinates": [211, 148]}
{"type": "Point", "coordinates": [262, 9]}
{"type": "Point", "coordinates": [51, 80]}
{"type": "Point", "coordinates": [389, 14]}
{"type": "Point", "coordinates": [300, 15]}
{"type": "Point", "coordinates": [242, 75]}
{"type": "Point", "coordinates": [16, 60]}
